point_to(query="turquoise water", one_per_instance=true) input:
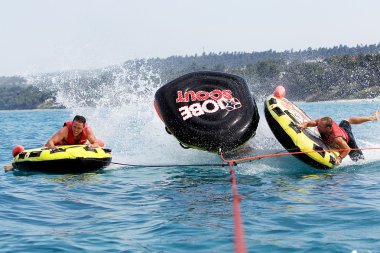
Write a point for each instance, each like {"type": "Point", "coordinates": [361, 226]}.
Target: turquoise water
{"type": "Point", "coordinates": [286, 205]}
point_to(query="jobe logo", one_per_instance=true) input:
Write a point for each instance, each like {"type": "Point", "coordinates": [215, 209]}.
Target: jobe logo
{"type": "Point", "coordinates": [209, 102]}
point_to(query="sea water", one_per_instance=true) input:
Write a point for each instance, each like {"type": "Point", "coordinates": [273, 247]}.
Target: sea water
{"type": "Point", "coordinates": [287, 206]}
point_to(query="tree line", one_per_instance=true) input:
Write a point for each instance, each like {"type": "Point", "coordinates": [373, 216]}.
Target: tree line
{"type": "Point", "coordinates": [310, 75]}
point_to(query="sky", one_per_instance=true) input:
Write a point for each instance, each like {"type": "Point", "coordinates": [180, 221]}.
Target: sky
{"type": "Point", "coordinates": [38, 36]}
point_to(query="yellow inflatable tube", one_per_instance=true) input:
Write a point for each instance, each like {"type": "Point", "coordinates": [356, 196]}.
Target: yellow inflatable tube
{"type": "Point", "coordinates": [66, 159]}
{"type": "Point", "coordinates": [283, 117]}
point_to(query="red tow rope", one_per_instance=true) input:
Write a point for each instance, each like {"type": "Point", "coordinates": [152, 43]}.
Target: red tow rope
{"type": "Point", "coordinates": [239, 231]}
{"type": "Point", "coordinates": [251, 158]}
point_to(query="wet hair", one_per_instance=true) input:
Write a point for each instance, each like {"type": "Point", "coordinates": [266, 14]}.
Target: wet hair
{"type": "Point", "coordinates": [80, 119]}
{"type": "Point", "coordinates": [327, 121]}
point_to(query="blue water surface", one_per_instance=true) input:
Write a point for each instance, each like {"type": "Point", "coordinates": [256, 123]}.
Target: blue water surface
{"type": "Point", "coordinates": [286, 205]}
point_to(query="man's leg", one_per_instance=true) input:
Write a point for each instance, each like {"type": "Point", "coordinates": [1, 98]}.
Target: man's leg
{"type": "Point", "coordinates": [355, 154]}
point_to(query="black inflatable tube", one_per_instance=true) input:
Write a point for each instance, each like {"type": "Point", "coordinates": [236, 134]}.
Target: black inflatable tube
{"type": "Point", "coordinates": [222, 130]}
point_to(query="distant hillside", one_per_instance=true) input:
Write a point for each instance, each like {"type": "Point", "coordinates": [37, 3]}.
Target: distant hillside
{"type": "Point", "coordinates": [177, 65]}
{"type": "Point", "coordinates": [311, 75]}
{"type": "Point", "coordinates": [16, 94]}
{"type": "Point", "coordinates": [338, 77]}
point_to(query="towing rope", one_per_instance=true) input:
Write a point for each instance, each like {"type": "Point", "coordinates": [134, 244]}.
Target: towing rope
{"type": "Point", "coordinates": [239, 231]}
{"type": "Point", "coordinates": [171, 165]}
{"type": "Point", "coordinates": [251, 158]}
